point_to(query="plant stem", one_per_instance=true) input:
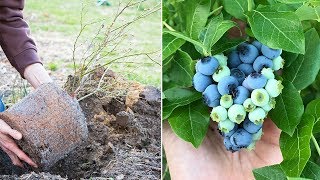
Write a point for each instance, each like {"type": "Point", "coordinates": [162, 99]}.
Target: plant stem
{"type": "Point", "coordinates": [215, 10]}
{"type": "Point", "coordinates": [250, 5]}
{"type": "Point", "coordinates": [168, 26]}
{"type": "Point", "coordinates": [315, 144]}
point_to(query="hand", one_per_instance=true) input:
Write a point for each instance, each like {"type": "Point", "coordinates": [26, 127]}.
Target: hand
{"type": "Point", "coordinates": [36, 75]}
{"type": "Point", "coordinates": [8, 145]}
{"type": "Point", "coordinates": [212, 161]}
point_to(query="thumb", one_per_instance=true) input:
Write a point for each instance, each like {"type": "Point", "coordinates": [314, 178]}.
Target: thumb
{"type": "Point", "coordinates": [15, 134]}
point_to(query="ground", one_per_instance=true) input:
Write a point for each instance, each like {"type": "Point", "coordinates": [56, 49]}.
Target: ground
{"type": "Point", "coordinates": [124, 130]}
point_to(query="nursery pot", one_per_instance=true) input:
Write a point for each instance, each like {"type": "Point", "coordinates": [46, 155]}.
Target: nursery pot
{"type": "Point", "coordinates": [51, 122]}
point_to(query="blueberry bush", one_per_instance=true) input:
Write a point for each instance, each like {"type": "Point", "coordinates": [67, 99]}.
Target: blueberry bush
{"type": "Point", "coordinates": [237, 62]}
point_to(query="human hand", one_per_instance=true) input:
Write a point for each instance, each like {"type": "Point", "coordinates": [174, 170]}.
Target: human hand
{"type": "Point", "coordinates": [36, 75]}
{"type": "Point", "coordinates": [212, 161]}
{"type": "Point", "coordinates": [8, 145]}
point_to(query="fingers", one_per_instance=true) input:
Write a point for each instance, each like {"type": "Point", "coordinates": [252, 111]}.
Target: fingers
{"type": "Point", "coordinates": [6, 129]}
{"type": "Point", "coordinates": [15, 160]}
{"type": "Point", "coordinates": [21, 155]}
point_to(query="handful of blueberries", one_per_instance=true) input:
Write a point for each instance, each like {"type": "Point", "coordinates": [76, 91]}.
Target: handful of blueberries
{"type": "Point", "coordinates": [241, 90]}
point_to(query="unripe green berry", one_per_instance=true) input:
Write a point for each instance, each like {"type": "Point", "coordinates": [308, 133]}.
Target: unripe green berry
{"type": "Point", "coordinates": [274, 87]}
{"type": "Point", "coordinates": [222, 59]}
{"type": "Point", "coordinates": [257, 116]}
{"type": "Point", "coordinates": [236, 113]}
{"type": "Point", "coordinates": [278, 63]}
{"type": "Point", "coordinates": [226, 101]}
{"type": "Point", "coordinates": [248, 105]}
{"type": "Point", "coordinates": [260, 97]}
{"type": "Point", "coordinates": [219, 113]}
{"type": "Point", "coordinates": [257, 136]}
{"type": "Point", "coordinates": [221, 72]}
{"type": "Point", "coordinates": [226, 126]}
{"type": "Point", "coordinates": [268, 73]}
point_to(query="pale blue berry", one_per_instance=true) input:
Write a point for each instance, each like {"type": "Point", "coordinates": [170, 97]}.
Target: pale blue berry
{"type": "Point", "coordinates": [257, 116]}
{"type": "Point", "coordinates": [222, 59]}
{"type": "Point", "coordinates": [268, 73]}
{"type": "Point", "coordinates": [226, 126]}
{"type": "Point", "coordinates": [257, 136]}
{"type": "Point", "coordinates": [226, 101]}
{"type": "Point", "coordinates": [278, 63]}
{"type": "Point", "coordinates": [248, 105]}
{"type": "Point", "coordinates": [260, 97]}
{"type": "Point", "coordinates": [274, 87]}
{"type": "Point", "coordinates": [236, 113]}
{"type": "Point", "coordinates": [220, 73]}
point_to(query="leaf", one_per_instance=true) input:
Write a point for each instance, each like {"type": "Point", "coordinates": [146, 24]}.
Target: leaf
{"type": "Point", "coordinates": [236, 8]}
{"type": "Point", "coordinates": [303, 71]}
{"type": "Point", "coordinates": [215, 30]}
{"type": "Point", "coordinates": [269, 173]}
{"type": "Point", "coordinates": [289, 58]}
{"type": "Point", "coordinates": [177, 97]}
{"type": "Point", "coordinates": [297, 178]}
{"type": "Point", "coordinates": [296, 149]}
{"type": "Point", "coordinates": [278, 30]}
{"type": "Point", "coordinates": [289, 109]}
{"type": "Point", "coordinates": [181, 71]}
{"type": "Point", "coordinates": [182, 36]}
{"type": "Point", "coordinates": [195, 13]}
{"type": "Point", "coordinates": [191, 122]}
{"type": "Point", "coordinates": [312, 171]}
{"type": "Point", "coordinates": [307, 12]}
{"type": "Point", "coordinates": [292, 1]}
{"type": "Point", "coordinates": [166, 63]}
{"type": "Point", "coordinates": [225, 44]}
{"type": "Point", "coordinates": [313, 108]}
{"type": "Point", "coordinates": [170, 44]}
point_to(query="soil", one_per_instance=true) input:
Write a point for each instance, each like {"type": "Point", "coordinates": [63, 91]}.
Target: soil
{"type": "Point", "coordinates": [124, 140]}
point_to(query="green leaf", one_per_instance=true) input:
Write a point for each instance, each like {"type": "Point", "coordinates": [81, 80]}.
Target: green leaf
{"type": "Point", "coordinates": [166, 63]}
{"type": "Point", "coordinates": [313, 108]}
{"type": "Point", "coordinates": [225, 44]}
{"type": "Point", "coordinates": [195, 13]}
{"type": "Point", "coordinates": [177, 97]}
{"type": "Point", "coordinates": [297, 178]}
{"type": "Point", "coordinates": [170, 44]}
{"type": "Point", "coordinates": [296, 149]}
{"type": "Point", "coordinates": [307, 12]}
{"type": "Point", "coordinates": [236, 8]}
{"type": "Point", "coordinates": [181, 71]}
{"type": "Point", "coordinates": [191, 122]}
{"type": "Point", "coordinates": [303, 71]}
{"type": "Point", "coordinates": [278, 30]}
{"type": "Point", "coordinates": [312, 171]}
{"type": "Point", "coordinates": [289, 58]}
{"type": "Point", "coordinates": [269, 173]}
{"type": "Point", "coordinates": [182, 36]}
{"type": "Point", "coordinates": [292, 1]}
{"type": "Point", "coordinates": [289, 108]}
{"type": "Point", "coordinates": [215, 30]}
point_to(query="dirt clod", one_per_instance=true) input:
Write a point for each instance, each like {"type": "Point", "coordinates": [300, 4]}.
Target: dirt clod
{"type": "Point", "coordinates": [44, 141]}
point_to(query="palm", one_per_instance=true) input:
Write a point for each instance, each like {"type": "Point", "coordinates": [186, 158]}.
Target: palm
{"type": "Point", "coordinates": [212, 161]}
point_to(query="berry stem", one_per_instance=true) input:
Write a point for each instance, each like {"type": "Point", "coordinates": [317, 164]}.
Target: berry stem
{"type": "Point", "coordinates": [250, 5]}
{"type": "Point", "coordinates": [168, 26]}
{"type": "Point", "coordinates": [315, 144]}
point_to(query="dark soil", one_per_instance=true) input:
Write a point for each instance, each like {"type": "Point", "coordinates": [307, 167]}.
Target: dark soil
{"type": "Point", "coordinates": [124, 142]}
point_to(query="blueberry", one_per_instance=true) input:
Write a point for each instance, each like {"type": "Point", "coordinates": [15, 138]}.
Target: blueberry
{"type": "Point", "coordinates": [240, 94]}
{"type": "Point", "coordinates": [2, 106]}
{"type": "Point", "coordinates": [256, 80]}
{"type": "Point", "coordinates": [236, 113]}
{"type": "Point", "coordinates": [245, 84]}
{"type": "Point", "coordinates": [229, 134]}
{"type": "Point", "coordinates": [218, 114]}
{"type": "Point", "coordinates": [241, 138]}
{"type": "Point", "coordinates": [222, 59]}
{"type": "Point", "coordinates": [238, 74]}
{"type": "Point", "coordinates": [208, 65]}
{"type": "Point", "coordinates": [227, 143]}
{"type": "Point", "coordinates": [221, 72]}
{"type": "Point", "coordinates": [271, 105]}
{"type": "Point", "coordinates": [260, 97]}
{"type": "Point", "coordinates": [257, 116]}
{"type": "Point", "coordinates": [226, 125]}
{"type": "Point", "coordinates": [211, 96]}
{"type": "Point", "coordinates": [248, 105]}
{"type": "Point", "coordinates": [262, 62]}
{"type": "Point", "coordinates": [226, 101]}
{"type": "Point", "coordinates": [257, 44]}
{"type": "Point", "coordinates": [250, 126]}
{"type": "Point", "coordinates": [227, 84]}
{"type": "Point", "coordinates": [234, 59]}
{"type": "Point", "coordinates": [269, 52]}
{"type": "Point", "coordinates": [246, 68]}
{"type": "Point", "coordinates": [274, 87]}
{"type": "Point", "coordinates": [268, 73]}
{"type": "Point", "coordinates": [247, 52]}
{"type": "Point", "coordinates": [201, 82]}
{"type": "Point", "coordinates": [278, 63]}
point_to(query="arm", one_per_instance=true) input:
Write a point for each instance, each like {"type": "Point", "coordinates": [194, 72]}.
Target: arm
{"type": "Point", "coordinates": [18, 46]}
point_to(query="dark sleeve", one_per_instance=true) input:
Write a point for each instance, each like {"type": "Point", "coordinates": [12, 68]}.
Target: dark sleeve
{"type": "Point", "coordinates": [15, 39]}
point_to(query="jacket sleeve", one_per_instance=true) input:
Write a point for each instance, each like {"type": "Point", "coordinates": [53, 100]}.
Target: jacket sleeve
{"type": "Point", "coordinates": [15, 38]}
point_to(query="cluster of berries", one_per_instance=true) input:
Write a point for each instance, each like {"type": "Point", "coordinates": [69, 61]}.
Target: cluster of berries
{"type": "Point", "coordinates": [241, 89]}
